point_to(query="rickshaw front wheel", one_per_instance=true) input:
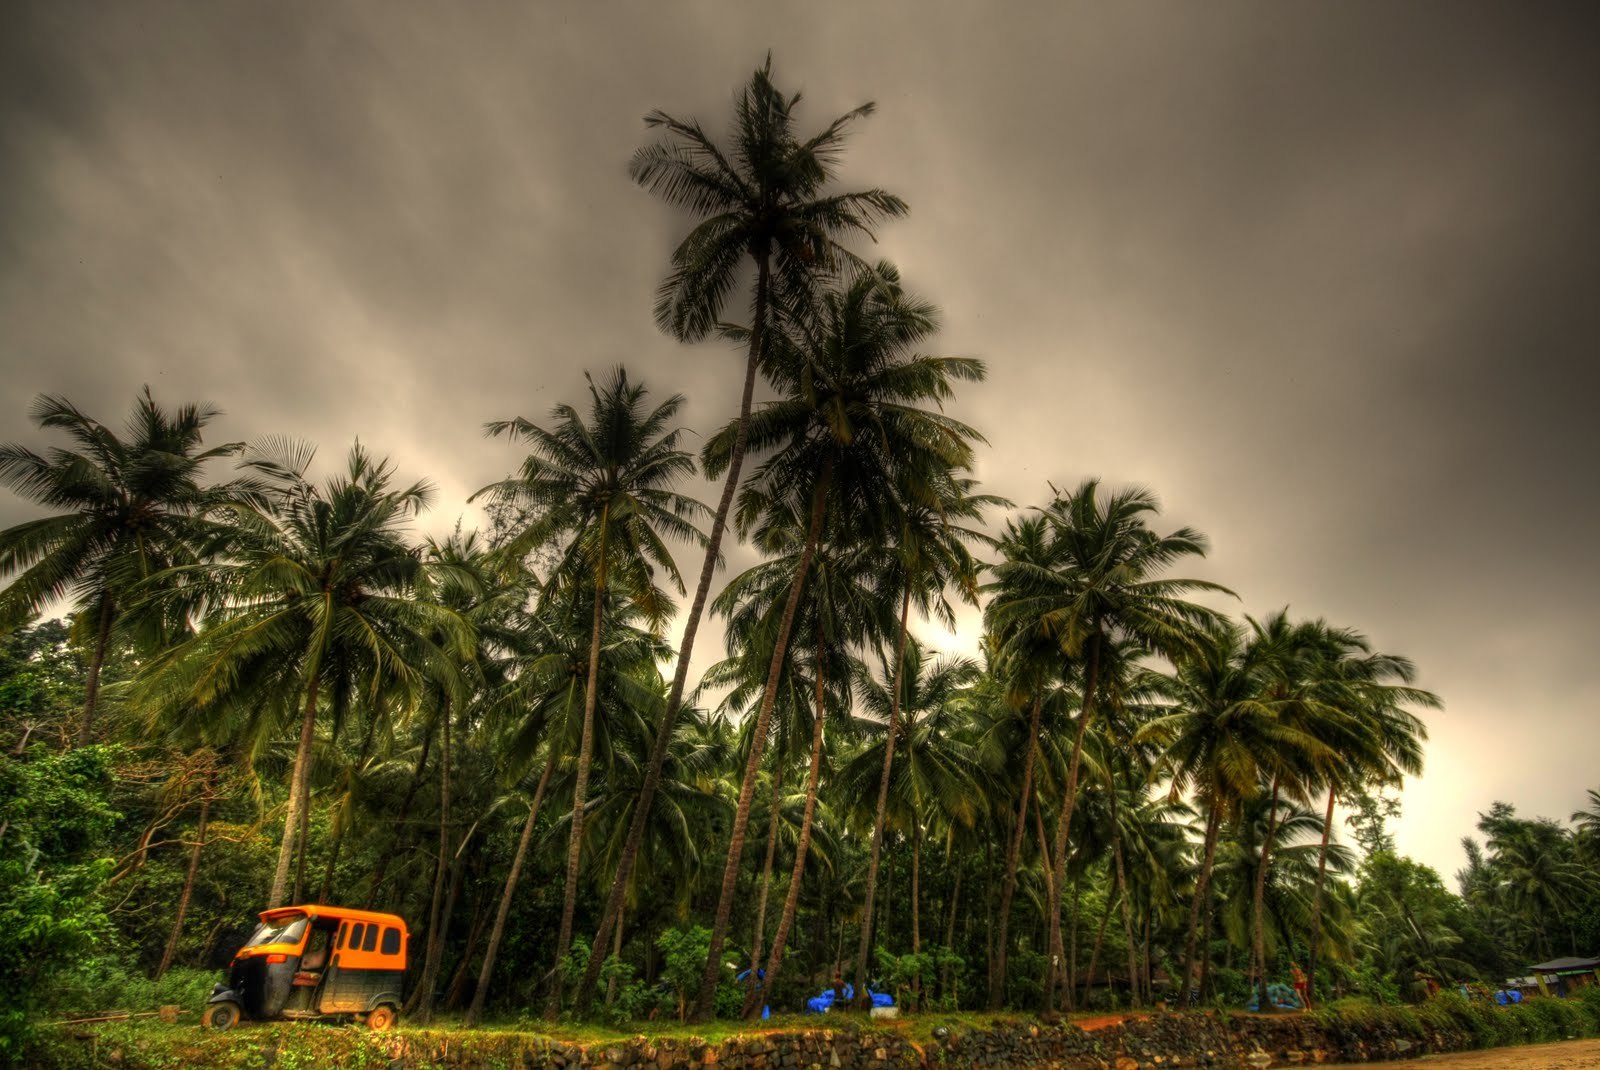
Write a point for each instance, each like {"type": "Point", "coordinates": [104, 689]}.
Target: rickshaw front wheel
{"type": "Point", "coordinates": [220, 1016]}
{"type": "Point", "coordinates": [381, 1018]}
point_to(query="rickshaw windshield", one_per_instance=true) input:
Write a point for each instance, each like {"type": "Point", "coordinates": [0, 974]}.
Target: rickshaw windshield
{"type": "Point", "coordinates": [282, 931]}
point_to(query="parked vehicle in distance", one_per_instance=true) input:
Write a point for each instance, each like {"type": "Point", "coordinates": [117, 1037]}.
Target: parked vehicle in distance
{"type": "Point", "coordinates": [315, 961]}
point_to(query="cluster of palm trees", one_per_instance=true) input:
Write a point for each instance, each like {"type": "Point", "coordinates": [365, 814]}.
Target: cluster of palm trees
{"type": "Point", "coordinates": [497, 702]}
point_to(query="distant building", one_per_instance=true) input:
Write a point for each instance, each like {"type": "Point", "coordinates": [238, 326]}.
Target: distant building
{"type": "Point", "coordinates": [1560, 977]}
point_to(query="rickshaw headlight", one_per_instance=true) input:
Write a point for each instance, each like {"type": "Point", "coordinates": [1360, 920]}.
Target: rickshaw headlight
{"type": "Point", "coordinates": [273, 960]}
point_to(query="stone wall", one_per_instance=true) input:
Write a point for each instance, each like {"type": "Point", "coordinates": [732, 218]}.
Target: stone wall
{"type": "Point", "coordinates": [1156, 1042]}
{"type": "Point", "coordinates": [1181, 1040]}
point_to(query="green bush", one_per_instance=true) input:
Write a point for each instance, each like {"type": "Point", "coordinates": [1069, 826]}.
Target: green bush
{"type": "Point", "coordinates": [1588, 1001]}
{"type": "Point", "coordinates": [53, 916]}
{"type": "Point", "coordinates": [105, 983]}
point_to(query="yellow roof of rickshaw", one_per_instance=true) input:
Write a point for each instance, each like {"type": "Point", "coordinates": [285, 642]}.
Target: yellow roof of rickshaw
{"type": "Point", "coordinates": [323, 910]}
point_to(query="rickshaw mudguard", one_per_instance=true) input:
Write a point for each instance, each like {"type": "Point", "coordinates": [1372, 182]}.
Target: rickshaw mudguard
{"type": "Point", "coordinates": [221, 993]}
{"type": "Point", "coordinates": [391, 998]}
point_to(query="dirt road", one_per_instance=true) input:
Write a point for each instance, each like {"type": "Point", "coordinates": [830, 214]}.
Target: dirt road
{"type": "Point", "coordinates": [1568, 1055]}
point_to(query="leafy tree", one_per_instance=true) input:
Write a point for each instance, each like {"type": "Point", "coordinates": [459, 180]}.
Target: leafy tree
{"type": "Point", "coordinates": [764, 195]}
{"type": "Point", "coordinates": [604, 486]}
{"type": "Point", "coordinates": [858, 405]}
{"type": "Point", "coordinates": [55, 825]}
{"type": "Point", "coordinates": [1103, 582]}
{"type": "Point", "coordinates": [124, 507]}
{"type": "Point", "coordinates": [313, 603]}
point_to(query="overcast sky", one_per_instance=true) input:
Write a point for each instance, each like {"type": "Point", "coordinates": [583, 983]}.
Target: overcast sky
{"type": "Point", "coordinates": [1325, 277]}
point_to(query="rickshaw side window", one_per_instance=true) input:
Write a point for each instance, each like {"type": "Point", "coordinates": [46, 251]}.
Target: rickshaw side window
{"type": "Point", "coordinates": [391, 941]}
{"type": "Point", "coordinates": [370, 941]}
{"type": "Point", "coordinates": [284, 931]}
{"type": "Point", "coordinates": [344, 930]}
{"type": "Point", "coordinates": [355, 935]}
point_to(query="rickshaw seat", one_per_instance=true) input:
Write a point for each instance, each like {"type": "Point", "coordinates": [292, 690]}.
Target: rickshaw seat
{"type": "Point", "coordinates": [306, 979]}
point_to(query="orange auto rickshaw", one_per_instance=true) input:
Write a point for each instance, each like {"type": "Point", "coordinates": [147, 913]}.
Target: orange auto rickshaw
{"type": "Point", "coordinates": [315, 961]}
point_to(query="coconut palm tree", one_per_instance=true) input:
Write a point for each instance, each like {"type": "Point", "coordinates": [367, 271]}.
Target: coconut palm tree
{"type": "Point", "coordinates": [537, 716]}
{"type": "Point", "coordinates": [465, 576]}
{"type": "Point", "coordinates": [1375, 689]}
{"type": "Point", "coordinates": [761, 198]}
{"type": "Point", "coordinates": [1213, 740]}
{"type": "Point", "coordinates": [937, 777]}
{"type": "Point", "coordinates": [1588, 822]}
{"type": "Point", "coordinates": [858, 405]}
{"type": "Point", "coordinates": [930, 554]}
{"type": "Point", "coordinates": [1103, 582]}
{"type": "Point", "coordinates": [839, 608]}
{"type": "Point", "coordinates": [604, 487]}
{"type": "Point", "coordinates": [314, 602]}
{"type": "Point", "coordinates": [1292, 665]}
{"type": "Point", "coordinates": [123, 507]}
{"type": "Point", "coordinates": [1030, 661]}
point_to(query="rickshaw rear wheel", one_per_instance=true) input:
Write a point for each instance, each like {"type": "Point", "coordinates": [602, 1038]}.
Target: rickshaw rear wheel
{"type": "Point", "coordinates": [220, 1016]}
{"type": "Point", "coordinates": [381, 1018]}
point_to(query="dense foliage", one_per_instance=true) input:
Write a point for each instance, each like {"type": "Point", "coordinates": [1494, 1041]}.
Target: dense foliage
{"type": "Point", "coordinates": [271, 690]}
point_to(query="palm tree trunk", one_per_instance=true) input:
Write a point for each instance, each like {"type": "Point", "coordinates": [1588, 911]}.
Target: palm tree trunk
{"type": "Point", "coordinates": [1144, 954]}
{"type": "Point", "coordinates": [1122, 893]}
{"type": "Point", "coordinates": [458, 978]}
{"type": "Point", "coordinates": [580, 789]}
{"type": "Point", "coordinates": [1316, 897]}
{"type": "Point", "coordinates": [680, 676]}
{"type": "Point", "coordinates": [791, 899]}
{"type": "Point", "coordinates": [91, 691]}
{"type": "Point", "coordinates": [1072, 940]}
{"type": "Point", "coordinates": [425, 993]}
{"type": "Point", "coordinates": [758, 937]}
{"type": "Point", "coordinates": [997, 969]}
{"type": "Point", "coordinates": [333, 860]}
{"type": "Point", "coordinates": [916, 913]}
{"type": "Point", "coordinates": [916, 888]}
{"type": "Point", "coordinates": [616, 953]}
{"type": "Point", "coordinates": [1259, 914]}
{"type": "Point", "coordinates": [1091, 683]}
{"type": "Point", "coordinates": [1049, 870]}
{"type": "Point", "coordinates": [304, 842]}
{"type": "Point", "coordinates": [437, 920]}
{"type": "Point", "coordinates": [863, 999]}
{"type": "Point", "coordinates": [741, 817]}
{"type": "Point", "coordinates": [486, 972]}
{"type": "Point", "coordinates": [950, 933]}
{"type": "Point", "coordinates": [1207, 919]}
{"type": "Point", "coordinates": [1208, 856]}
{"type": "Point", "coordinates": [188, 881]}
{"type": "Point", "coordinates": [403, 838]}
{"type": "Point", "coordinates": [297, 785]}
{"type": "Point", "coordinates": [1094, 956]}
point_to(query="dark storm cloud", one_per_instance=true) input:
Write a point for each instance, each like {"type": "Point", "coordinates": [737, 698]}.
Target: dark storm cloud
{"type": "Point", "coordinates": [1323, 276]}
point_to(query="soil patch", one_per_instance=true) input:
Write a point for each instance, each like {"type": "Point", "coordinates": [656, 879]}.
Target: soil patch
{"type": "Point", "coordinates": [1567, 1055]}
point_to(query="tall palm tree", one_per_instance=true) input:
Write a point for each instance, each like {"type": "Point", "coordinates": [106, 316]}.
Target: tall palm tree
{"type": "Point", "coordinates": [937, 776]}
{"type": "Point", "coordinates": [1213, 740]}
{"type": "Point", "coordinates": [313, 602]}
{"type": "Point", "coordinates": [1588, 822]}
{"type": "Point", "coordinates": [1029, 659]}
{"type": "Point", "coordinates": [1375, 688]}
{"type": "Point", "coordinates": [463, 575]}
{"type": "Point", "coordinates": [930, 555]}
{"type": "Point", "coordinates": [604, 485]}
{"type": "Point", "coordinates": [537, 717]}
{"type": "Point", "coordinates": [765, 196]}
{"type": "Point", "coordinates": [858, 405]}
{"type": "Point", "coordinates": [1292, 664]}
{"type": "Point", "coordinates": [838, 609]}
{"type": "Point", "coordinates": [1103, 582]}
{"type": "Point", "coordinates": [124, 507]}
